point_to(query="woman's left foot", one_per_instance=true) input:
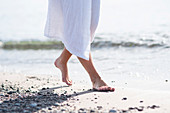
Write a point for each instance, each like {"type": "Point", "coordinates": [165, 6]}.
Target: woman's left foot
{"type": "Point", "coordinates": [100, 85]}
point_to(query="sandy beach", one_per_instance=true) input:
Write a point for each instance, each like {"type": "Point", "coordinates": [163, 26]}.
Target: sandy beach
{"type": "Point", "coordinates": [41, 93]}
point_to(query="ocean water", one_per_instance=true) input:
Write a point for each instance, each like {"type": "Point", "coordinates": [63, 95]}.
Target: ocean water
{"type": "Point", "coordinates": [131, 47]}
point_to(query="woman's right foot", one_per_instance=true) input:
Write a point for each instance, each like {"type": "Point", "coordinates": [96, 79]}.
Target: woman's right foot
{"type": "Point", "coordinates": [64, 71]}
{"type": "Point", "coordinates": [100, 85]}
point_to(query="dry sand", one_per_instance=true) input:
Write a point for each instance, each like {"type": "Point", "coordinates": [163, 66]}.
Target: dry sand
{"type": "Point", "coordinates": [42, 93]}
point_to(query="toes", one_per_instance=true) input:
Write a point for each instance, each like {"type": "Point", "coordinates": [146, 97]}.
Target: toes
{"type": "Point", "coordinates": [69, 82]}
{"type": "Point", "coordinates": [106, 88]}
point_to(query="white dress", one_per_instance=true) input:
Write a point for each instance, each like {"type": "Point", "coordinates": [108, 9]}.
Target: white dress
{"type": "Point", "coordinates": [74, 23]}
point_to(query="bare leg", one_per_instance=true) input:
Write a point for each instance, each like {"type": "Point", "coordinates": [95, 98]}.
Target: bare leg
{"type": "Point", "coordinates": [96, 80]}
{"type": "Point", "coordinates": [61, 63]}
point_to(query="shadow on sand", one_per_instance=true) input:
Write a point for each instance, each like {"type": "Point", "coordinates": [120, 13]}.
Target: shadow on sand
{"type": "Point", "coordinates": [33, 102]}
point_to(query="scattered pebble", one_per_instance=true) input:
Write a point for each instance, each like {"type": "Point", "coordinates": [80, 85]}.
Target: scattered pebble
{"type": "Point", "coordinates": [141, 101]}
{"type": "Point", "coordinates": [99, 107]}
{"type": "Point", "coordinates": [112, 111]}
{"type": "Point", "coordinates": [49, 108]}
{"type": "Point", "coordinates": [124, 98]}
{"type": "Point", "coordinates": [33, 104]}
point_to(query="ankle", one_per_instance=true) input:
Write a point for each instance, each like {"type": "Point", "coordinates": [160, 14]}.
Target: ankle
{"type": "Point", "coordinates": [95, 79]}
{"type": "Point", "coordinates": [61, 61]}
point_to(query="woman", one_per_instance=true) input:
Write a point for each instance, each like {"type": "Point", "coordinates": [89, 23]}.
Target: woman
{"type": "Point", "coordinates": [74, 23]}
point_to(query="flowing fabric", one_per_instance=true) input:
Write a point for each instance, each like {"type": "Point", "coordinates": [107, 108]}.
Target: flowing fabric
{"type": "Point", "coordinates": [74, 23]}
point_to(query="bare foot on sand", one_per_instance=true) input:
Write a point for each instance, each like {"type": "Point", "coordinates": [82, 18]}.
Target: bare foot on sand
{"type": "Point", "coordinates": [100, 85]}
{"type": "Point", "coordinates": [64, 71]}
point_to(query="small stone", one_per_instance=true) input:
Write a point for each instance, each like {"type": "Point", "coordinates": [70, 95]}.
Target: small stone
{"type": "Point", "coordinates": [17, 104]}
{"type": "Point", "coordinates": [131, 108]}
{"type": "Point", "coordinates": [17, 90]}
{"type": "Point", "coordinates": [68, 96]}
{"type": "Point", "coordinates": [91, 111]}
{"type": "Point", "coordinates": [154, 106]}
{"type": "Point", "coordinates": [27, 91]}
{"type": "Point", "coordinates": [56, 104]}
{"type": "Point", "coordinates": [49, 108]}
{"type": "Point", "coordinates": [2, 85]}
{"type": "Point", "coordinates": [43, 89]}
{"type": "Point", "coordinates": [124, 98]}
{"type": "Point", "coordinates": [10, 92]}
{"type": "Point", "coordinates": [112, 81]}
{"type": "Point", "coordinates": [99, 107]}
{"type": "Point", "coordinates": [81, 110]}
{"type": "Point", "coordinates": [166, 80]}
{"type": "Point", "coordinates": [95, 98]}
{"type": "Point", "coordinates": [5, 101]}
{"type": "Point", "coordinates": [112, 111]}
{"type": "Point", "coordinates": [33, 104]}
{"type": "Point", "coordinates": [63, 110]}
{"type": "Point", "coordinates": [65, 92]}
{"type": "Point", "coordinates": [141, 101]}
{"type": "Point", "coordinates": [139, 109]}
{"type": "Point", "coordinates": [124, 111]}
{"type": "Point", "coordinates": [25, 111]}
{"type": "Point", "coordinates": [6, 95]}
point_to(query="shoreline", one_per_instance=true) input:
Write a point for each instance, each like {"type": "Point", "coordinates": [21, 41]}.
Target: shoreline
{"type": "Point", "coordinates": [35, 93]}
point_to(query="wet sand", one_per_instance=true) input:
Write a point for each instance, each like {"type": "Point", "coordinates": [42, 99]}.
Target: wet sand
{"type": "Point", "coordinates": [42, 93]}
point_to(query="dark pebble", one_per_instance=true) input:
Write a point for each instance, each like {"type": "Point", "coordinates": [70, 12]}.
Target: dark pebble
{"type": "Point", "coordinates": [166, 80]}
{"type": "Point", "coordinates": [139, 109]}
{"type": "Point", "coordinates": [63, 110]}
{"type": "Point", "coordinates": [99, 107]}
{"type": "Point", "coordinates": [10, 92]}
{"type": "Point", "coordinates": [4, 110]}
{"type": "Point", "coordinates": [43, 89]}
{"type": "Point", "coordinates": [39, 93]}
{"type": "Point", "coordinates": [65, 92]}
{"type": "Point", "coordinates": [112, 111]}
{"type": "Point", "coordinates": [11, 87]}
{"type": "Point", "coordinates": [2, 85]}
{"type": "Point", "coordinates": [141, 101]}
{"type": "Point", "coordinates": [27, 91]}
{"type": "Point", "coordinates": [112, 81]}
{"type": "Point", "coordinates": [68, 96]}
{"type": "Point", "coordinates": [131, 108]}
{"type": "Point", "coordinates": [81, 109]}
{"type": "Point", "coordinates": [6, 95]}
{"type": "Point", "coordinates": [124, 111]}
{"type": "Point", "coordinates": [5, 101]}
{"type": "Point", "coordinates": [154, 106]}
{"type": "Point", "coordinates": [49, 108]}
{"type": "Point", "coordinates": [17, 90]}
{"type": "Point", "coordinates": [91, 111]}
{"type": "Point", "coordinates": [95, 98]}
{"type": "Point", "coordinates": [124, 98]}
